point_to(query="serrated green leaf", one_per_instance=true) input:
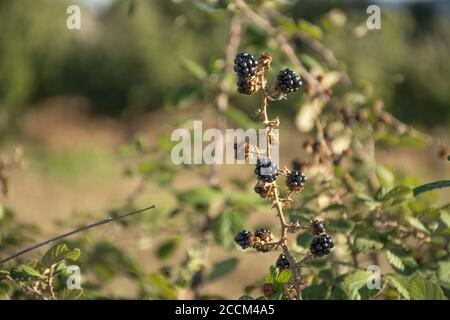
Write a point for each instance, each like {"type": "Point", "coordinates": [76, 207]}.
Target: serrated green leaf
{"type": "Point", "coordinates": [444, 271]}
{"type": "Point", "coordinates": [445, 217]}
{"type": "Point", "coordinates": [423, 289]}
{"type": "Point", "coordinates": [363, 244]}
{"type": "Point", "coordinates": [24, 272]}
{"type": "Point", "coordinates": [284, 276]}
{"type": "Point", "coordinates": [415, 223]}
{"type": "Point", "coordinates": [342, 225]}
{"type": "Point", "coordinates": [222, 268]}
{"type": "Point", "coordinates": [335, 207]}
{"type": "Point", "coordinates": [344, 292]}
{"type": "Point", "coordinates": [59, 253]}
{"type": "Point", "coordinates": [400, 283]}
{"type": "Point", "coordinates": [395, 260]}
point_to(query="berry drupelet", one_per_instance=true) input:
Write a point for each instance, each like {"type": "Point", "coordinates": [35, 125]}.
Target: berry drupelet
{"type": "Point", "coordinates": [263, 234]}
{"type": "Point", "coordinates": [288, 81]}
{"type": "Point", "coordinates": [321, 245]}
{"type": "Point", "coordinates": [282, 262]}
{"type": "Point", "coordinates": [317, 227]}
{"type": "Point", "coordinates": [295, 180]}
{"type": "Point", "coordinates": [245, 65]}
{"type": "Point", "coordinates": [266, 170]}
{"type": "Point", "coordinates": [246, 85]}
{"type": "Point", "coordinates": [244, 239]}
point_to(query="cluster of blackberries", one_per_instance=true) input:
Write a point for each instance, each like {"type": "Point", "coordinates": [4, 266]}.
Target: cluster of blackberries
{"type": "Point", "coordinates": [260, 240]}
{"type": "Point", "coordinates": [321, 245]}
{"type": "Point", "coordinates": [288, 81]}
{"type": "Point", "coordinates": [266, 170]}
{"type": "Point", "coordinates": [245, 67]}
{"type": "Point", "coordinates": [244, 239]}
{"type": "Point", "coordinates": [282, 262]}
{"type": "Point", "coordinates": [295, 180]}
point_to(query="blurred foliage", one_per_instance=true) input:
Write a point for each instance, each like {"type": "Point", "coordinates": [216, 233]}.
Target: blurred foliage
{"type": "Point", "coordinates": [138, 55]}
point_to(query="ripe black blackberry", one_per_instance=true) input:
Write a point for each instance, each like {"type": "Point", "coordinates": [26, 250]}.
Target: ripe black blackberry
{"type": "Point", "coordinates": [245, 65]}
{"type": "Point", "coordinates": [266, 170]}
{"type": "Point", "coordinates": [295, 180]}
{"type": "Point", "coordinates": [282, 262]}
{"type": "Point", "coordinates": [321, 245]}
{"type": "Point", "coordinates": [244, 239]}
{"type": "Point", "coordinates": [288, 81]}
{"type": "Point", "coordinates": [317, 227]}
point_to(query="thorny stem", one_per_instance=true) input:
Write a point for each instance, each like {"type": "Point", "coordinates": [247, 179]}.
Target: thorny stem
{"type": "Point", "coordinates": [50, 282]}
{"type": "Point", "coordinates": [65, 235]}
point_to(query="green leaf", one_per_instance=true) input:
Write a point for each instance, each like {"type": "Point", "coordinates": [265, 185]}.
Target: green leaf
{"type": "Point", "coordinates": [431, 186]}
{"type": "Point", "coordinates": [443, 273]}
{"type": "Point", "coordinates": [25, 273]}
{"type": "Point", "coordinates": [397, 192]}
{"type": "Point", "coordinates": [201, 197]}
{"type": "Point", "coordinates": [245, 297]}
{"type": "Point", "coordinates": [194, 69]}
{"type": "Point", "coordinates": [311, 29]}
{"type": "Point", "coordinates": [400, 283]}
{"type": "Point", "coordinates": [395, 260]}
{"type": "Point", "coordinates": [415, 223]}
{"type": "Point", "coordinates": [59, 253]}
{"type": "Point", "coordinates": [382, 192]}
{"type": "Point", "coordinates": [226, 226]}
{"type": "Point", "coordinates": [71, 294]}
{"type": "Point", "coordinates": [445, 217]}
{"type": "Point", "coordinates": [304, 239]}
{"type": "Point", "coordinates": [163, 286]}
{"type": "Point", "coordinates": [344, 292]}
{"type": "Point", "coordinates": [385, 175]}
{"type": "Point", "coordinates": [181, 96]}
{"type": "Point", "coordinates": [167, 248]}
{"type": "Point", "coordinates": [335, 207]}
{"type": "Point", "coordinates": [239, 118]}
{"type": "Point", "coordinates": [423, 289]}
{"type": "Point", "coordinates": [363, 244]}
{"type": "Point", "coordinates": [223, 268]}
{"type": "Point", "coordinates": [284, 276]}
{"type": "Point", "coordinates": [315, 292]}
{"type": "Point", "coordinates": [342, 225]}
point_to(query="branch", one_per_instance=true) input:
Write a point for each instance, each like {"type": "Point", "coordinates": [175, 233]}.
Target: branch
{"type": "Point", "coordinates": [65, 235]}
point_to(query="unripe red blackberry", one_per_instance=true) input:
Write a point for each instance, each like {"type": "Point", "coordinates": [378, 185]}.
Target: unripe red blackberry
{"type": "Point", "coordinates": [295, 180]}
{"type": "Point", "coordinates": [265, 170]}
{"type": "Point", "coordinates": [321, 245]}
{"type": "Point", "coordinates": [317, 227]}
{"type": "Point", "coordinates": [288, 81]}
{"type": "Point", "coordinates": [244, 239]}
{"type": "Point", "coordinates": [282, 262]}
{"type": "Point", "coordinates": [268, 289]}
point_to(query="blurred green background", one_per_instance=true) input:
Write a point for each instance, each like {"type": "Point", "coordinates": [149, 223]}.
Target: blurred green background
{"type": "Point", "coordinates": [128, 56]}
